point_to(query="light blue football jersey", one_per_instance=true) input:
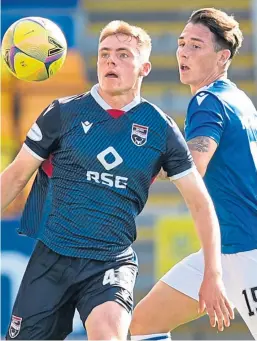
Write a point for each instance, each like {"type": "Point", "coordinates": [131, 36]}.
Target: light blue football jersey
{"type": "Point", "coordinates": [224, 113]}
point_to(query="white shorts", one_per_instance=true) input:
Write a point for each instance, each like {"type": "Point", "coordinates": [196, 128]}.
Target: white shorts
{"type": "Point", "coordinates": [239, 276]}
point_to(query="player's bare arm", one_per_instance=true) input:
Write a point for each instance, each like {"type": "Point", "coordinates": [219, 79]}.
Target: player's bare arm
{"type": "Point", "coordinates": [202, 149]}
{"type": "Point", "coordinates": [212, 295]}
{"type": "Point", "coordinates": [15, 177]}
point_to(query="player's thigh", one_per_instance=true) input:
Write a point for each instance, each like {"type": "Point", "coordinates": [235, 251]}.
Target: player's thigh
{"type": "Point", "coordinates": [173, 300]}
{"type": "Point", "coordinates": [240, 278]}
{"type": "Point", "coordinates": [114, 325]}
{"type": "Point", "coordinates": [42, 309]}
{"type": "Point", "coordinates": [108, 297]}
{"type": "Point", "coordinates": [162, 310]}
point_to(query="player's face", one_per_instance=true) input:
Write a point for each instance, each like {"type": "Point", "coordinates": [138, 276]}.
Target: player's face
{"type": "Point", "coordinates": [197, 59]}
{"type": "Point", "coordinates": [120, 64]}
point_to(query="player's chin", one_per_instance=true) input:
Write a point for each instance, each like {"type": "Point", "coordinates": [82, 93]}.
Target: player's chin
{"type": "Point", "coordinates": [184, 80]}
{"type": "Point", "coordinates": [110, 84]}
{"type": "Point", "coordinates": [113, 90]}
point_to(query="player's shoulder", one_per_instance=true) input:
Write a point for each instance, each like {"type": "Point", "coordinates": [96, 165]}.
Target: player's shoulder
{"type": "Point", "coordinates": [59, 107]}
{"type": "Point", "coordinates": [64, 106]}
{"type": "Point", "coordinates": [205, 100]}
{"type": "Point", "coordinates": [215, 97]}
{"type": "Point", "coordinates": [63, 101]}
{"type": "Point", "coordinates": [158, 113]}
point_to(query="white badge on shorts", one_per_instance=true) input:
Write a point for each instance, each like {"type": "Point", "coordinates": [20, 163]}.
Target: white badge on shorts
{"type": "Point", "coordinates": [15, 326]}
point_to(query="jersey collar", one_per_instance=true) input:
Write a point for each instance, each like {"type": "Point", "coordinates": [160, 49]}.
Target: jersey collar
{"type": "Point", "coordinates": [224, 79]}
{"type": "Point", "coordinates": [106, 106]}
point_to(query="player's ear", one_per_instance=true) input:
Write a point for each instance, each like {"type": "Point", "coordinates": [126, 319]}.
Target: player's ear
{"type": "Point", "coordinates": [224, 57]}
{"type": "Point", "coordinates": [145, 69]}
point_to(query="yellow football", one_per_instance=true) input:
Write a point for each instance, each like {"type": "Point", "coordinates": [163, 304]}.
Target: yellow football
{"type": "Point", "coordinates": [34, 48]}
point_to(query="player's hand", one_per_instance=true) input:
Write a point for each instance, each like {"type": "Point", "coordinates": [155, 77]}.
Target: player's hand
{"type": "Point", "coordinates": [213, 299]}
{"type": "Point", "coordinates": [162, 175]}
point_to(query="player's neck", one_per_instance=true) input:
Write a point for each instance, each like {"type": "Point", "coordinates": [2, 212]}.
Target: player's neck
{"type": "Point", "coordinates": [208, 81]}
{"type": "Point", "coordinates": [120, 100]}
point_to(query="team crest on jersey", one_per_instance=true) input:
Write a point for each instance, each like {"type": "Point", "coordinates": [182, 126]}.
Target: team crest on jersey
{"type": "Point", "coordinates": [15, 326]}
{"type": "Point", "coordinates": [139, 134]}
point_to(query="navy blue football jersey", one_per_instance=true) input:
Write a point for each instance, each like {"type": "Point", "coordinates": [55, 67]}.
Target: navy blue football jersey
{"type": "Point", "coordinates": [102, 170]}
{"type": "Point", "coordinates": [224, 113]}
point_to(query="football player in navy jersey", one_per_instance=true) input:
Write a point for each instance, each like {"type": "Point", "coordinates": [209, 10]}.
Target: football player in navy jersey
{"type": "Point", "coordinates": [221, 132]}
{"type": "Point", "coordinates": [96, 155]}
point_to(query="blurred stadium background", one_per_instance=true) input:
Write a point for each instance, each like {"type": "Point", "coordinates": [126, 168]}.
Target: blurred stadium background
{"type": "Point", "coordinates": [165, 230]}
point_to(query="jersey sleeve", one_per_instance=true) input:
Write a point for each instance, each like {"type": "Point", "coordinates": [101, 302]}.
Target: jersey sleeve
{"type": "Point", "coordinates": [43, 136]}
{"type": "Point", "coordinates": [177, 160]}
{"type": "Point", "coordinates": [205, 117]}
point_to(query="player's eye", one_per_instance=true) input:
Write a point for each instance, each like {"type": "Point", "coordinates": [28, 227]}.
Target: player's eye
{"type": "Point", "coordinates": [124, 55]}
{"type": "Point", "coordinates": [181, 44]}
{"type": "Point", "coordinates": [196, 47]}
{"type": "Point", "coordinates": [105, 55]}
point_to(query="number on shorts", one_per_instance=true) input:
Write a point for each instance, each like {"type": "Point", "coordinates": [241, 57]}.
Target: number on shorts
{"type": "Point", "coordinates": [254, 297]}
{"type": "Point", "coordinates": [109, 277]}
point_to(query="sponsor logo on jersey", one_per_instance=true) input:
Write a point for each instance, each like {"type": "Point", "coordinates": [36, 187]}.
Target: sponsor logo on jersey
{"type": "Point", "coordinates": [15, 326]}
{"type": "Point", "coordinates": [109, 158]}
{"type": "Point", "coordinates": [139, 134]}
{"type": "Point", "coordinates": [107, 179]}
{"type": "Point", "coordinates": [112, 153]}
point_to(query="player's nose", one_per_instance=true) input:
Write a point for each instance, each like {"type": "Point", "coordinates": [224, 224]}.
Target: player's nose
{"type": "Point", "coordinates": [111, 60]}
{"type": "Point", "coordinates": [182, 53]}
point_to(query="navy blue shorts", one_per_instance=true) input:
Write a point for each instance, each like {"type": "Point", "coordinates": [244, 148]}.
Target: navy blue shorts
{"type": "Point", "coordinates": [54, 286]}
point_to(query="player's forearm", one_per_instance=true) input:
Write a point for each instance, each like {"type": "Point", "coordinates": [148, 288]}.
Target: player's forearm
{"type": "Point", "coordinates": [202, 210]}
{"type": "Point", "coordinates": [11, 186]}
{"type": "Point", "coordinates": [207, 227]}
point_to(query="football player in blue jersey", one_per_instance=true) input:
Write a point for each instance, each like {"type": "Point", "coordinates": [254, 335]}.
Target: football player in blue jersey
{"type": "Point", "coordinates": [221, 132]}
{"type": "Point", "coordinates": [105, 147]}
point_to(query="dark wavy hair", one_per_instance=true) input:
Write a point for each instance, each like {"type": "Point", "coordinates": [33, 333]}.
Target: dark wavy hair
{"type": "Point", "coordinates": [224, 27]}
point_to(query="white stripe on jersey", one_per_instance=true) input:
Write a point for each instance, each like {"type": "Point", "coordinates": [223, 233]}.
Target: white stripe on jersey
{"type": "Point", "coordinates": [182, 174]}
{"type": "Point", "coordinates": [32, 153]}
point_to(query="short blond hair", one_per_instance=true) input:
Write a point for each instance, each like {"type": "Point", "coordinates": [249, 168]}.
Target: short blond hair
{"type": "Point", "coordinates": [121, 27]}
